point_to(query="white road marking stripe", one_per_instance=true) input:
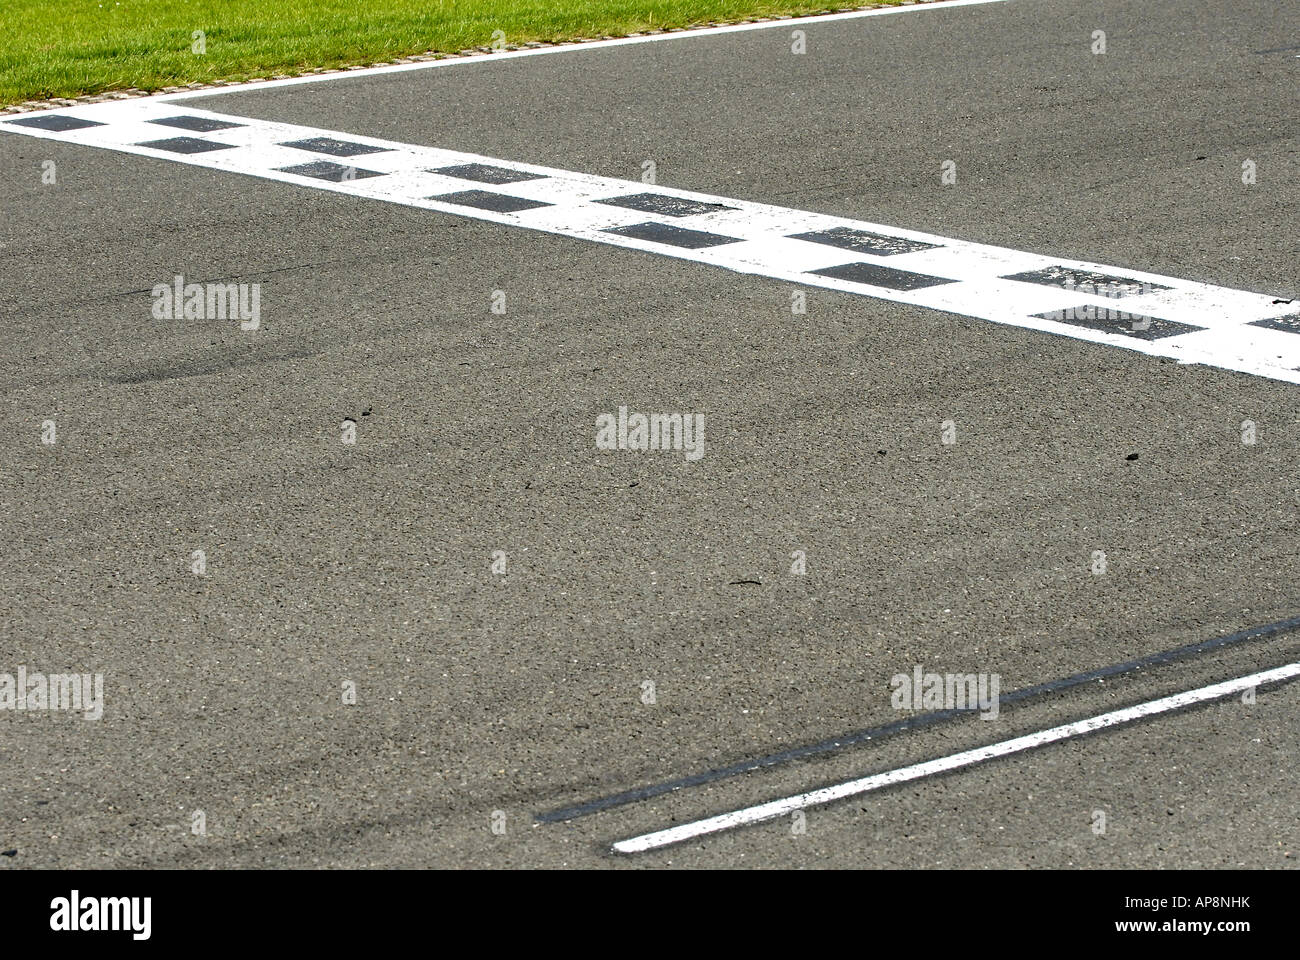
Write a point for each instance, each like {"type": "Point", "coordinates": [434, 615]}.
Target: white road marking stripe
{"type": "Point", "coordinates": [759, 239]}
{"type": "Point", "coordinates": [795, 23]}
{"type": "Point", "coordinates": [778, 808]}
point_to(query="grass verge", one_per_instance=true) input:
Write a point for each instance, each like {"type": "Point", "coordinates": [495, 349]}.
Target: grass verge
{"type": "Point", "coordinates": [71, 48]}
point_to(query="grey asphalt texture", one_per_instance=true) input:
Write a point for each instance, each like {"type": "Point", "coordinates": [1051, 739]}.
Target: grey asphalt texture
{"type": "Point", "coordinates": [522, 693]}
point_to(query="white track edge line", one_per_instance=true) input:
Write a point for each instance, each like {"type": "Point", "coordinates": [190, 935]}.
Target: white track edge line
{"type": "Point", "coordinates": [568, 48]}
{"type": "Point", "coordinates": [777, 808]}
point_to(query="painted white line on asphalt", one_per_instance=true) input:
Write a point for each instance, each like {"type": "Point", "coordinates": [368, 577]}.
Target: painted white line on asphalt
{"type": "Point", "coordinates": [778, 808]}
{"type": "Point", "coordinates": [1148, 313]}
{"type": "Point", "coordinates": [796, 23]}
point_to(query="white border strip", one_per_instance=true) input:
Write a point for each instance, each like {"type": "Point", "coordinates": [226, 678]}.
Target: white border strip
{"type": "Point", "coordinates": [777, 808]}
{"type": "Point", "coordinates": [569, 47]}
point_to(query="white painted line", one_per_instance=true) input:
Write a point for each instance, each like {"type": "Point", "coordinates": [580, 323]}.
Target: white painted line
{"type": "Point", "coordinates": [796, 23]}
{"type": "Point", "coordinates": [778, 808]}
{"type": "Point", "coordinates": [1194, 322]}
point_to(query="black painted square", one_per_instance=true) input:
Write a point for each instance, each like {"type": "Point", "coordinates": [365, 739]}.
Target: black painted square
{"type": "Point", "coordinates": [485, 173]}
{"type": "Point", "coordinates": [487, 200]}
{"type": "Point", "coordinates": [1086, 281]}
{"type": "Point", "coordinates": [335, 148]}
{"type": "Point", "coordinates": [186, 145]}
{"type": "Point", "coordinates": [879, 276]}
{"type": "Point", "coordinates": [673, 236]}
{"type": "Point", "coordinates": [328, 170]}
{"type": "Point", "coordinates": [197, 124]}
{"type": "Point", "coordinates": [58, 123]}
{"type": "Point", "coordinates": [860, 241]}
{"type": "Point", "coordinates": [1288, 324]}
{"type": "Point", "coordinates": [663, 204]}
{"type": "Point", "coordinates": [1109, 320]}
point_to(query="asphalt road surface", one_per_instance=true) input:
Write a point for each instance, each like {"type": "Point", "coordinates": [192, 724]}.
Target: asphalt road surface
{"type": "Point", "coordinates": [649, 624]}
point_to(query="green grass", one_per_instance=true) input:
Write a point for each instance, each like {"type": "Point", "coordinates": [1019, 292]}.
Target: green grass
{"type": "Point", "coordinates": [67, 48]}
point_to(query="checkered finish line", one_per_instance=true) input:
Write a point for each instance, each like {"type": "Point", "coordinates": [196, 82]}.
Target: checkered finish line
{"type": "Point", "coordinates": [1163, 316]}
